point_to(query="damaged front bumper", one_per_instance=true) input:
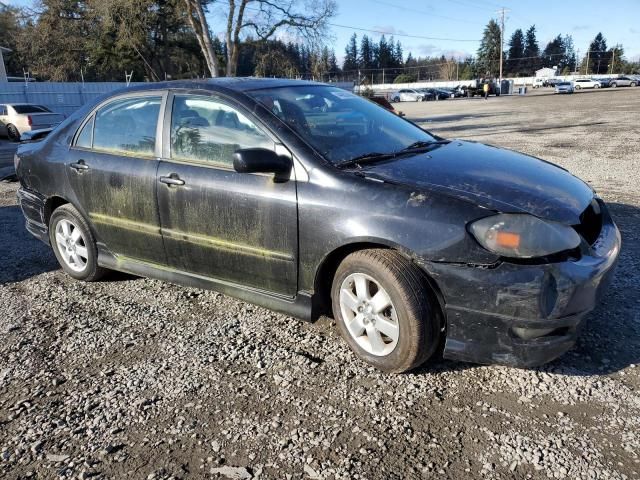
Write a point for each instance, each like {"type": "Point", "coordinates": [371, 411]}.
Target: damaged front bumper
{"type": "Point", "coordinates": [522, 314]}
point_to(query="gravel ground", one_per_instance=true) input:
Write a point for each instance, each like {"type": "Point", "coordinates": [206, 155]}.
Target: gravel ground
{"type": "Point", "coordinates": [135, 378]}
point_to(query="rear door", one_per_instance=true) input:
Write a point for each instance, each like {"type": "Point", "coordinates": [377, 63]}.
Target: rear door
{"type": "Point", "coordinates": [240, 228]}
{"type": "Point", "coordinates": [112, 169]}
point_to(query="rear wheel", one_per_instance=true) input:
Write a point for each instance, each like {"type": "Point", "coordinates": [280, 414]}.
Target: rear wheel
{"type": "Point", "coordinates": [614, 85]}
{"type": "Point", "coordinates": [385, 310]}
{"type": "Point", "coordinates": [13, 133]}
{"type": "Point", "coordinates": [73, 244]}
{"type": "Point", "coordinates": [577, 87]}
{"type": "Point", "coordinates": [633, 84]}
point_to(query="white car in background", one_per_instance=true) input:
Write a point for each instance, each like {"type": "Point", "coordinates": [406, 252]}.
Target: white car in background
{"type": "Point", "coordinates": [585, 83]}
{"type": "Point", "coordinates": [17, 119]}
{"type": "Point", "coordinates": [408, 95]}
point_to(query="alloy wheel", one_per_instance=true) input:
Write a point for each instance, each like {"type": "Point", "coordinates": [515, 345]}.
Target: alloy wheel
{"type": "Point", "coordinates": [369, 315]}
{"type": "Point", "coordinates": [71, 245]}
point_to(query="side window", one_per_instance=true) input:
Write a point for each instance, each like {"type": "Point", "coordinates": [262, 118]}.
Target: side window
{"type": "Point", "coordinates": [85, 137]}
{"type": "Point", "coordinates": [206, 130]}
{"type": "Point", "coordinates": [3, 110]}
{"type": "Point", "coordinates": [128, 126]}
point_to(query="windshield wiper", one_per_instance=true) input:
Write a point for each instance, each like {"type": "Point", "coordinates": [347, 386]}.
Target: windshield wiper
{"type": "Point", "coordinates": [424, 144]}
{"type": "Point", "coordinates": [377, 156]}
{"type": "Point", "coordinates": [365, 158]}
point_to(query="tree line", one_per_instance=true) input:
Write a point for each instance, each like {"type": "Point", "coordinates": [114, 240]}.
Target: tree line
{"type": "Point", "coordinates": [101, 40]}
{"type": "Point", "coordinates": [523, 55]}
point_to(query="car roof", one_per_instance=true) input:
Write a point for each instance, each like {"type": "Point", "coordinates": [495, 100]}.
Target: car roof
{"type": "Point", "coordinates": [239, 84]}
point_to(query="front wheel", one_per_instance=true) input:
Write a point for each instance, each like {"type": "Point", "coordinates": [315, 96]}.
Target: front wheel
{"type": "Point", "coordinates": [633, 84]}
{"type": "Point", "coordinates": [614, 85]}
{"type": "Point", "coordinates": [596, 86]}
{"type": "Point", "coordinates": [385, 310]}
{"type": "Point", "coordinates": [73, 244]}
{"type": "Point", "coordinates": [577, 87]}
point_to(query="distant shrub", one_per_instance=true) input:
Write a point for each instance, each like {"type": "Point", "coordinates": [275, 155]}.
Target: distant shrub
{"type": "Point", "coordinates": [405, 78]}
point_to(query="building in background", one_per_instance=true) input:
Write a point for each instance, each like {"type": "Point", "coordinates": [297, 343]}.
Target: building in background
{"type": "Point", "coordinates": [547, 72]}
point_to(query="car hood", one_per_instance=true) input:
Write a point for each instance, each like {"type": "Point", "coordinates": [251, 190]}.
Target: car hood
{"type": "Point", "coordinates": [493, 178]}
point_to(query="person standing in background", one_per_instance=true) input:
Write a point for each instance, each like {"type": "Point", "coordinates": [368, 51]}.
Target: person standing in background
{"type": "Point", "coordinates": [485, 89]}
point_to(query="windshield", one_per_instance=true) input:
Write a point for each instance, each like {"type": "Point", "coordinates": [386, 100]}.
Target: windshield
{"type": "Point", "coordinates": [30, 109]}
{"type": "Point", "coordinates": [338, 124]}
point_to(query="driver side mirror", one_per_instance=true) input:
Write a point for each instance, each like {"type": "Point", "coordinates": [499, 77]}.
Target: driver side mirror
{"type": "Point", "coordinates": [261, 160]}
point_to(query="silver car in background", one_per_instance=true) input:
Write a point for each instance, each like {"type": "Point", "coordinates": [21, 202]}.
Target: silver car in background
{"type": "Point", "coordinates": [17, 119]}
{"type": "Point", "coordinates": [408, 95]}
{"type": "Point", "coordinates": [623, 82]}
{"type": "Point", "coordinates": [564, 87]}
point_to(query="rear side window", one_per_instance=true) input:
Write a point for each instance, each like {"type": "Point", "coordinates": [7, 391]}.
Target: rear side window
{"type": "Point", "coordinates": [206, 130]}
{"type": "Point", "coordinates": [127, 126]}
{"type": "Point", "coordinates": [85, 137]}
{"type": "Point", "coordinates": [3, 109]}
{"type": "Point", "coordinates": [30, 109]}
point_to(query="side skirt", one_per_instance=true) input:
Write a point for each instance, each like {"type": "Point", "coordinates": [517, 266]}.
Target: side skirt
{"type": "Point", "coordinates": [299, 306]}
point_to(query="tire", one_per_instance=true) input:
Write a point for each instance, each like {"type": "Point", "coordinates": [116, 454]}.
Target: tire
{"type": "Point", "coordinates": [596, 86]}
{"type": "Point", "coordinates": [614, 85]}
{"type": "Point", "coordinates": [13, 133]}
{"type": "Point", "coordinates": [577, 87]}
{"type": "Point", "coordinates": [79, 259]}
{"type": "Point", "coordinates": [633, 84]}
{"type": "Point", "coordinates": [411, 309]}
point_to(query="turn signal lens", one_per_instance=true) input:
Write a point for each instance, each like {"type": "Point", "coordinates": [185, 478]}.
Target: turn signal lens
{"type": "Point", "coordinates": [508, 239]}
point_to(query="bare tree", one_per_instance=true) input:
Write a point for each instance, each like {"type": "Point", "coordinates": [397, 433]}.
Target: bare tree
{"type": "Point", "coordinates": [198, 21]}
{"type": "Point", "coordinates": [261, 18]}
{"type": "Point", "coordinates": [448, 69]}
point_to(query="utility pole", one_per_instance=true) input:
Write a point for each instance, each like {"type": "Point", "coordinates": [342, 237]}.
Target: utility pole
{"type": "Point", "coordinates": [613, 58]}
{"type": "Point", "coordinates": [586, 68]}
{"type": "Point", "coordinates": [502, 12]}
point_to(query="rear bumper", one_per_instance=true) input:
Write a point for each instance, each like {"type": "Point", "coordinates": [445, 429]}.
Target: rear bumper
{"type": "Point", "coordinates": [524, 315]}
{"type": "Point", "coordinates": [33, 209]}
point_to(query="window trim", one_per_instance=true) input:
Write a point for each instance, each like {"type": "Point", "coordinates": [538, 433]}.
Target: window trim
{"type": "Point", "coordinates": [139, 94]}
{"type": "Point", "coordinates": [215, 96]}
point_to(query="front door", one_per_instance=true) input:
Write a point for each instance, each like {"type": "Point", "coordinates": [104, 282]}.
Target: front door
{"type": "Point", "coordinates": [236, 227]}
{"type": "Point", "coordinates": [112, 168]}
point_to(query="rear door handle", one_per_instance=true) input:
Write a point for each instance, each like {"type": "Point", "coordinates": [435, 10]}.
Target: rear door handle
{"type": "Point", "coordinates": [172, 179]}
{"type": "Point", "coordinates": [80, 165]}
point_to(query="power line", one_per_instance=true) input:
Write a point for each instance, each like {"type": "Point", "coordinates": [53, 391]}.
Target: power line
{"type": "Point", "coordinates": [422, 12]}
{"type": "Point", "coordinates": [403, 34]}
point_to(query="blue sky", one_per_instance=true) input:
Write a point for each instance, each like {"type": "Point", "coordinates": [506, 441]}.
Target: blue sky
{"type": "Point", "coordinates": [466, 19]}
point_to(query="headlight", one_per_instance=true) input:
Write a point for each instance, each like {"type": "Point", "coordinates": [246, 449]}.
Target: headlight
{"type": "Point", "coordinates": [523, 236]}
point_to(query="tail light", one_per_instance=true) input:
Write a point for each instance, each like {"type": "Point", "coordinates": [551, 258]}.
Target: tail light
{"type": "Point", "coordinates": [30, 120]}
{"type": "Point", "coordinates": [16, 161]}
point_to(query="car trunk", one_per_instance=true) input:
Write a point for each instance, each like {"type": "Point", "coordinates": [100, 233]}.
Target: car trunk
{"type": "Point", "coordinates": [44, 120]}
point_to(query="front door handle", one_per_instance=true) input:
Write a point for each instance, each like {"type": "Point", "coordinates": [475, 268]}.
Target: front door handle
{"type": "Point", "coordinates": [79, 166]}
{"type": "Point", "coordinates": [172, 180]}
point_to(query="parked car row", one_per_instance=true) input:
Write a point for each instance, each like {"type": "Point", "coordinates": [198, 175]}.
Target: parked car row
{"type": "Point", "coordinates": [425, 94]}
{"type": "Point", "coordinates": [594, 83]}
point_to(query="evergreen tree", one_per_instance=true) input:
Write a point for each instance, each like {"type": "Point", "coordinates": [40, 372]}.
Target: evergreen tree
{"type": "Point", "coordinates": [553, 53]}
{"type": "Point", "coordinates": [515, 53]}
{"type": "Point", "coordinates": [351, 54]}
{"type": "Point", "coordinates": [598, 55]}
{"type": "Point", "coordinates": [366, 54]}
{"type": "Point", "coordinates": [489, 51]}
{"type": "Point", "coordinates": [569, 60]}
{"type": "Point", "coordinates": [398, 54]}
{"type": "Point", "coordinates": [531, 62]}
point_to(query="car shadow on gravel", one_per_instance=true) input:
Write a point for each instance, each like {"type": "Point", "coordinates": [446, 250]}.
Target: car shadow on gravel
{"type": "Point", "coordinates": [610, 339]}
{"type": "Point", "coordinates": [24, 255]}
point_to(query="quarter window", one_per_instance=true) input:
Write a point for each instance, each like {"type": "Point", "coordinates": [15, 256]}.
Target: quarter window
{"type": "Point", "coordinates": [206, 130]}
{"type": "Point", "coordinates": [84, 139]}
{"type": "Point", "coordinates": [127, 126]}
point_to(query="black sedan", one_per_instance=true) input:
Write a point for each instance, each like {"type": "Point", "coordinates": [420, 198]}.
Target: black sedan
{"type": "Point", "coordinates": [310, 200]}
